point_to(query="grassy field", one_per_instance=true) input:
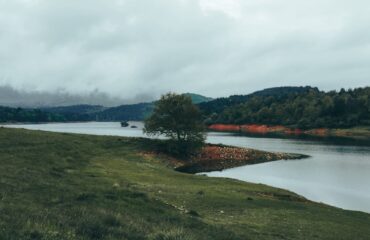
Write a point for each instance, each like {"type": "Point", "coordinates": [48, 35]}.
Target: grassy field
{"type": "Point", "coordinates": [65, 186]}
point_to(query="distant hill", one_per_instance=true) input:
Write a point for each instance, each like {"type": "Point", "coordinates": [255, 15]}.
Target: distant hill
{"type": "Point", "coordinates": [8, 114]}
{"type": "Point", "coordinates": [220, 104]}
{"type": "Point", "coordinates": [304, 108]}
{"type": "Point", "coordinates": [196, 98]}
{"type": "Point", "coordinates": [75, 109]}
{"type": "Point", "coordinates": [129, 112]}
{"type": "Point", "coordinates": [137, 112]}
{"type": "Point", "coordinates": [133, 112]}
{"type": "Point", "coordinates": [283, 91]}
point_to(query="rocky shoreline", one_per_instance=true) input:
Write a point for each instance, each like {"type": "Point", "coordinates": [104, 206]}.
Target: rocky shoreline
{"type": "Point", "coordinates": [221, 157]}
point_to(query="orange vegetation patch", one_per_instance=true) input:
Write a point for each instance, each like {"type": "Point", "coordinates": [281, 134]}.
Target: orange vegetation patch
{"type": "Point", "coordinates": [253, 128]}
{"type": "Point", "coordinates": [296, 131]}
{"type": "Point", "coordinates": [318, 132]}
{"type": "Point", "coordinates": [225, 127]}
{"type": "Point", "coordinates": [264, 129]}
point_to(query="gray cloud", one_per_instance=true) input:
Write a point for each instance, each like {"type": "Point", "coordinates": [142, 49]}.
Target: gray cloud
{"type": "Point", "coordinates": [129, 48]}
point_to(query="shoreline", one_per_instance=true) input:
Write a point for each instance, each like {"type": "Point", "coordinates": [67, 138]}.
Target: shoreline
{"type": "Point", "coordinates": [106, 185]}
{"type": "Point", "coordinates": [359, 132]}
{"type": "Point", "coordinates": [39, 123]}
{"type": "Point", "coordinates": [218, 157]}
{"type": "Point", "coordinates": [221, 157]}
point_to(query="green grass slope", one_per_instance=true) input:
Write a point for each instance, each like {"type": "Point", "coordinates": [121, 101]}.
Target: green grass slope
{"type": "Point", "coordinates": [65, 186]}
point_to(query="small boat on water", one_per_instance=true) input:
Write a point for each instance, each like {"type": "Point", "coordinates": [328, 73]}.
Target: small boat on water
{"type": "Point", "coordinates": [124, 124]}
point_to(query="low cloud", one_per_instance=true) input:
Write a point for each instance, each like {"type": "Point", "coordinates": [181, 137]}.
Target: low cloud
{"type": "Point", "coordinates": [19, 98]}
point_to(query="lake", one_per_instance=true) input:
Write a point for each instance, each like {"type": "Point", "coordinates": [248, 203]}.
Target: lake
{"type": "Point", "coordinates": [335, 174]}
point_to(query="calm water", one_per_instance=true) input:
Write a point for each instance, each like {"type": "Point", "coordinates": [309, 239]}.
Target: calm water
{"type": "Point", "coordinates": [338, 175]}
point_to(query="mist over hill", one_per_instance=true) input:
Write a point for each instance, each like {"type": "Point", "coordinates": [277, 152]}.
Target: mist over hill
{"type": "Point", "coordinates": [35, 99]}
{"type": "Point", "coordinates": [83, 112]}
{"type": "Point", "coordinates": [126, 112]}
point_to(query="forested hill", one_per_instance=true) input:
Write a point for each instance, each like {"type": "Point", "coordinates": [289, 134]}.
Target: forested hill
{"type": "Point", "coordinates": [130, 112]}
{"type": "Point", "coordinates": [8, 114]}
{"type": "Point", "coordinates": [309, 108]}
{"type": "Point", "coordinates": [220, 104]}
{"type": "Point", "coordinates": [75, 109]}
{"type": "Point", "coordinates": [76, 113]}
{"type": "Point", "coordinates": [136, 112]}
{"type": "Point", "coordinates": [303, 107]}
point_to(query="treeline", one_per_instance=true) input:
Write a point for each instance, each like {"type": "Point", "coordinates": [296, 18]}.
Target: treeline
{"type": "Point", "coordinates": [78, 113]}
{"type": "Point", "coordinates": [309, 109]}
{"type": "Point", "coordinates": [302, 107]}
{"type": "Point", "coordinates": [27, 115]}
{"type": "Point", "coordinates": [9, 115]}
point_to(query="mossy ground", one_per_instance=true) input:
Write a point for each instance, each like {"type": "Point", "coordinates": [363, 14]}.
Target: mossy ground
{"type": "Point", "coordinates": [65, 186]}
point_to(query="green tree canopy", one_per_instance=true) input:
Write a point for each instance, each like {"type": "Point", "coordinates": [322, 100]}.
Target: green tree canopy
{"type": "Point", "coordinates": [176, 117]}
{"type": "Point", "coordinates": [307, 110]}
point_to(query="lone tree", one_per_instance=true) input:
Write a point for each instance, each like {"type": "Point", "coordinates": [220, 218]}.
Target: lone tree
{"type": "Point", "coordinates": [176, 117]}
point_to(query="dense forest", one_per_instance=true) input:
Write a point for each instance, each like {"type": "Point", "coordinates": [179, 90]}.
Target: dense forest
{"type": "Point", "coordinates": [308, 109]}
{"type": "Point", "coordinates": [74, 113]}
{"type": "Point", "coordinates": [29, 115]}
{"type": "Point", "coordinates": [220, 104]}
{"type": "Point", "coordinates": [75, 109]}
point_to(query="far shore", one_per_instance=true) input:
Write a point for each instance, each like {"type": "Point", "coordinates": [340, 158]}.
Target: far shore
{"type": "Point", "coordinates": [36, 123]}
{"type": "Point", "coordinates": [359, 132]}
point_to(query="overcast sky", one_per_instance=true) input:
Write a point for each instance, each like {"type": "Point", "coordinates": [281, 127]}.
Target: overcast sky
{"type": "Point", "coordinates": [131, 48]}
